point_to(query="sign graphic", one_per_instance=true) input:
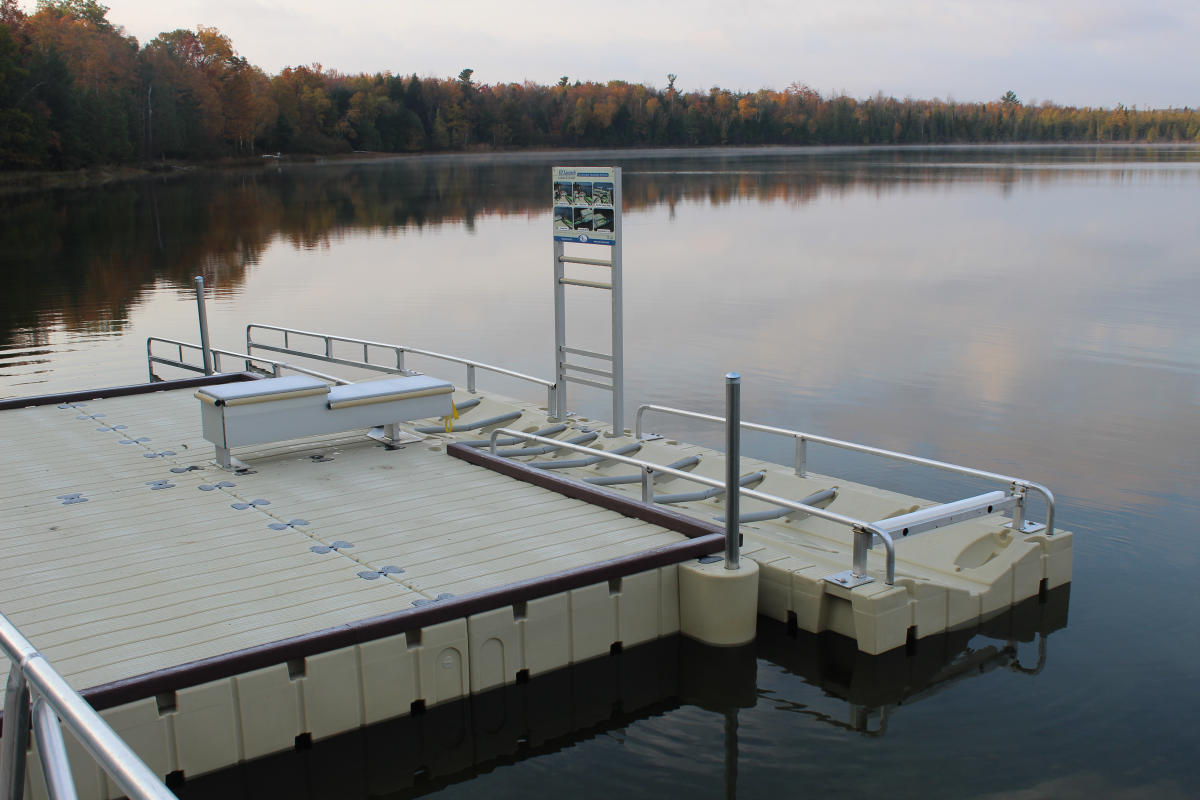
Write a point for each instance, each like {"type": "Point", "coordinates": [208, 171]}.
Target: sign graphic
{"type": "Point", "coordinates": [584, 210]}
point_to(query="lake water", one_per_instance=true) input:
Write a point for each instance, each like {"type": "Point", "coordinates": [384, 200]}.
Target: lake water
{"type": "Point", "coordinates": [1024, 310]}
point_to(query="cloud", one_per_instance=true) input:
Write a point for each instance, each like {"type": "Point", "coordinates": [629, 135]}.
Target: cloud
{"type": "Point", "coordinates": [1099, 52]}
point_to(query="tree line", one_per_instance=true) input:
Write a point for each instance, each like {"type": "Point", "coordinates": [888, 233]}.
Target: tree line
{"type": "Point", "coordinates": [76, 91]}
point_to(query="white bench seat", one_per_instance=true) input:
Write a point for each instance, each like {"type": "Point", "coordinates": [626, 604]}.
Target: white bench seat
{"type": "Point", "coordinates": [295, 406]}
{"type": "Point", "coordinates": [389, 389]}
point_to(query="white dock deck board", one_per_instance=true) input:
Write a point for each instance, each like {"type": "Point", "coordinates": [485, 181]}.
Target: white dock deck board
{"type": "Point", "coordinates": [138, 579]}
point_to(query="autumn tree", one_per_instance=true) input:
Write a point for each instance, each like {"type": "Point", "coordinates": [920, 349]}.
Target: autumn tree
{"type": "Point", "coordinates": [83, 99]}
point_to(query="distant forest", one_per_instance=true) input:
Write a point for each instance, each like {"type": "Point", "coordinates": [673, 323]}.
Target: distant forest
{"type": "Point", "coordinates": [76, 91]}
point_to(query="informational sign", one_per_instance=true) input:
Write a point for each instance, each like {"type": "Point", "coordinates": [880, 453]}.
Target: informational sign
{"type": "Point", "coordinates": [585, 205]}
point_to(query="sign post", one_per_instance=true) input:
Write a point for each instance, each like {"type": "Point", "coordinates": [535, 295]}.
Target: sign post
{"type": "Point", "coordinates": [587, 211]}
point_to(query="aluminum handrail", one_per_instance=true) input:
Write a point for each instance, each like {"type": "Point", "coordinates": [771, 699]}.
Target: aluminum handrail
{"type": "Point", "coordinates": [649, 469]}
{"type": "Point", "coordinates": [803, 438]}
{"type": "Point", "coordinates": [399, 350]}
{"type": "Point", "coordinates": [277, 367]}
{"type": "Point", "coordinates": [51, 693]}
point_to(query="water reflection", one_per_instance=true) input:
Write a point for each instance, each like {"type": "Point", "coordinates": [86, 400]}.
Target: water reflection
{"type": "Point", "coordinates": [84, 258]}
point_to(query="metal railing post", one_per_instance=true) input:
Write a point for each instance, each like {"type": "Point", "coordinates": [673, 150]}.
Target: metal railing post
{"type": "Point", "coordinates": [560, 335]}
{"type": "Point", "coordinates": [205, 352]}
{"type": "Point", "coordinates": [471, 378]}
{"type": "Point", "coordinates": [16, 734]}
{"type": "Point", "coordinates": [862, 543]}
{"type": "Point", "coordinates": [52, 752]}
{"type": "Point", "coordinates": [801, 456]}
{"type": "Point", "coordinates": [1018, 512]}
{"type": "Point", "coordinates": [647, 485]}
{"type": "Point", "coordinates": [733, 463]}
{"type": "Point", "coordinates": [149, 360]}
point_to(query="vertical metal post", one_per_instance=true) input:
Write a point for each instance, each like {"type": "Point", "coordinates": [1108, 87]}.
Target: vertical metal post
{"type": "Point", "coordinates": [559, 410]}
{"type": "Point", "coordinates": [16, 734]}
{"type": "Point", "coordinates": [733, 463]}
{"type": "Point", "coordinates": [205, 352]}
{"type": "Point", "coordinates": [618, 338]}
{"type": "Point", "coordinates": [862, 543]}
{"type": "Point", "coordinates": [801, 456]}
{"type": "Point", "coordinates": [52, 752]}
{"type": "Point", "coordinates": [471, 378]}
{"type": "Point", "coordinates": [1018, 512]}
{"type": "Point", "coordinates": [647, 485]}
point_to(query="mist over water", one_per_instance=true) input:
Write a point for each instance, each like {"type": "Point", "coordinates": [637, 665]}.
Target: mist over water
{"type": "Point", "coordinates": [1028, 310]}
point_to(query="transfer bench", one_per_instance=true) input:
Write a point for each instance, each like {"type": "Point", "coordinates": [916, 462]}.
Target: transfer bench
{"type": "Point", "coordinates": [294, 406]}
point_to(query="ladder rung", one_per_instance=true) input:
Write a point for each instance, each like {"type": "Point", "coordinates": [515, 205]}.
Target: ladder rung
{"type": "Point", "coordinates": [591, 262]}
{"type": "Point", "coordinates": [589, 284]}
{"type": "Point", "coordinates": [603, 373]}
{"type": "Point", "coordinates": [597, 384]}
{"type": "Point", "coordinates": [576, 351]}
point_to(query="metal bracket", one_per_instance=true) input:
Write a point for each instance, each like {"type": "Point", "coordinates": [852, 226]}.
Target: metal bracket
{"type": "Point", "coordinates": [650, 437]}
{"type": "Point", "coordinates": [380, 434]}
{"type": "Point", "coordinates": [1028, 527]}
{"type": "Point", "coordinates": [849, 580]}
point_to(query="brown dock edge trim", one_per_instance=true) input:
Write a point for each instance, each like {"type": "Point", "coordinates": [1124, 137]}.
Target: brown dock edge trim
{"type": "Point", "coordinates": [172, 679]}
{"type": "Point", "coordinates": [126, 391]}
{"type": "Point", "coordinates": [656, 515]}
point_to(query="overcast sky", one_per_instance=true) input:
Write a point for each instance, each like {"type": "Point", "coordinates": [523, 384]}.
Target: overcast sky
{"type": "Point", "coordinates": [1072, 52]}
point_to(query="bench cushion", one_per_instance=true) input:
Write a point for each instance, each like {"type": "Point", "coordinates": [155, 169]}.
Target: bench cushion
{"type": "Point", "coordinates": [387, 390]}
{"type": "Point", "coordinates": [287, 387]}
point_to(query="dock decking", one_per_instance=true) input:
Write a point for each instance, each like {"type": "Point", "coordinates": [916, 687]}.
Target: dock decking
{"type": "Point", "coordinates": [123, 550]}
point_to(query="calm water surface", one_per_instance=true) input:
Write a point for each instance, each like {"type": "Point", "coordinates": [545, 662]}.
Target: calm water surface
{"type": "Point", "coordinates": [1027, 310]}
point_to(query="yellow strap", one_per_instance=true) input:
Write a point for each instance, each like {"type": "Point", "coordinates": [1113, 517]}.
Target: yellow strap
{"type": "Point", "coordinates": [453, 415]}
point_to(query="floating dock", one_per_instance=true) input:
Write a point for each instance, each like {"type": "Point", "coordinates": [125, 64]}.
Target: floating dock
{"type": "Point", "coordinates": [327, 582]}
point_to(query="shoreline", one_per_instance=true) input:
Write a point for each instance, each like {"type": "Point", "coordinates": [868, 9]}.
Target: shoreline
{"type": "Point", "coordinates": [20, 181]}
